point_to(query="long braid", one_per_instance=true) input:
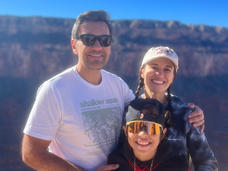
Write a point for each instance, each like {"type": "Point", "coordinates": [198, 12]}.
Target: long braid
{"type": "Point", "coordinates": [168, 112]}
{"type": "Point", "coordinates": [169, 97]}
{"type": "Point", "coordinates": [140, 85]}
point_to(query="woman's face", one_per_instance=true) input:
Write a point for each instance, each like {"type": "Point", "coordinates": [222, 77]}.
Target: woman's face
{"type": "Point", "coordinates": [158, 75]}
{"type": "Point", "coordinates": [144, 146]}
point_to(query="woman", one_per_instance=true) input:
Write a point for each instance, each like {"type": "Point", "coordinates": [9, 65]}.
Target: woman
{"type": "Point", "coordinates": [157, 73]}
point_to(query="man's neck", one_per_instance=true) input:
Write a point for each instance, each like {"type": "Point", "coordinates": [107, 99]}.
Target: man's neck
{"type": "Point", "coordinates": [91, 76]}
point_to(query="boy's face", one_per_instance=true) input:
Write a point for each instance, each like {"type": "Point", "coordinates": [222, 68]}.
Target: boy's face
{"type": "Point", "coordinates": [144, 145]}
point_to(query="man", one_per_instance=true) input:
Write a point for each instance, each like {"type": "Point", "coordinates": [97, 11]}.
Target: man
{"type": "Point", "coordinates": [77, 114]}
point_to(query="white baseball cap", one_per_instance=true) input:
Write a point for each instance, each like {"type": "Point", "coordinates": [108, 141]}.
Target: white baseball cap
{"type": "Point", "coordinates": [158, 52]}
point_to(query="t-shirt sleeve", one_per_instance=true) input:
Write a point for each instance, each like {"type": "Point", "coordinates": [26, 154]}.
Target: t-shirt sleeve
{"type": "Point", "coordinates": [45, 115]}
{"type": "Point", "coordinates": [127, 93]}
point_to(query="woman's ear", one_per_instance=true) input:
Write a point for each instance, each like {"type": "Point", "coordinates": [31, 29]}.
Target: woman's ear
{"type": "Point", "coordinates": [125, 130]}
{"type": "Point", "coordinates": [141, 71]}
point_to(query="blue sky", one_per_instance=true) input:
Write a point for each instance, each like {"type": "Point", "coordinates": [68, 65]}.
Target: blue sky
{"type": "Point", "coordinates": [209, 12]}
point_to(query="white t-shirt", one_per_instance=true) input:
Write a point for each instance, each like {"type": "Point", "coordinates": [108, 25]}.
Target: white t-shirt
{"type": "Point", "coordinates": [82, 120]}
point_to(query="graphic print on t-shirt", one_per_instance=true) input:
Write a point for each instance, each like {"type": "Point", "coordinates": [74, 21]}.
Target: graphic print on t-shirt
{"type": "Point", "coordinates": [102, 120]}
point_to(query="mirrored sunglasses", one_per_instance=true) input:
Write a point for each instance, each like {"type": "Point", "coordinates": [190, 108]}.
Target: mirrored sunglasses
{"type": "Point", "coordinates": [90, 39]}
{"type": "Point", "coordinates": [151, 128]}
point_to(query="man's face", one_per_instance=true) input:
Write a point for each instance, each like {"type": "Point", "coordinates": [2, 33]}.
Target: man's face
{"type": "Point", "coordinates": [92, 57]}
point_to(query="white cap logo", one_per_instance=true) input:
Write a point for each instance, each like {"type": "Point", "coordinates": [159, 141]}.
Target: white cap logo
{"type": "Point", "coordinates": [158, 52]}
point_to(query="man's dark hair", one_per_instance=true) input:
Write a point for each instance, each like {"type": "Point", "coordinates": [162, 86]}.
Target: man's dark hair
{"type": "Point", "coordinates": [95, 15]}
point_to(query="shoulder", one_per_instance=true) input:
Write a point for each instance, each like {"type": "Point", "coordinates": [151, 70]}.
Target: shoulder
{"type": "Point", "coordinates": [119, 156]}
{"type": "Point", "coordinates": [180, 112]}
{"type": "Point", "coordinates": [110, 76]}
{"type": "Point", "coordinates": [58, 80]}
{"type": "Point", "coordinates": [178, 102]}
{"type": "Point", "coordinates": [63, 77]}
{"type": "Point", "coordinates": [116, 156]}
{"type": "Point", "coordinates": [117, 84]}
{"type": "Point", "coordinates": [178, 105]}
{"type": "Point", "coordinates": [120, 153]}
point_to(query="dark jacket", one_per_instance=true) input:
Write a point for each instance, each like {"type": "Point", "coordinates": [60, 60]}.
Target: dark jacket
{"type": "Point", "coordinates": [161, 162]}
{"type": "Point", "coordinates": [181, 140]}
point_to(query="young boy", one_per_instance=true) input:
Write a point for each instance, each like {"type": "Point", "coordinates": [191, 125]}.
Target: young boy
{"type": "Point", "coordinates": [144, 148]}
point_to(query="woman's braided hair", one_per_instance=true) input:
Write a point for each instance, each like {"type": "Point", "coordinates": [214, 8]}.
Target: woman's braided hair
{"type": "Point", "coordinates": [140, 86]}
{"type": "Point", "coordinates": [168, 113]}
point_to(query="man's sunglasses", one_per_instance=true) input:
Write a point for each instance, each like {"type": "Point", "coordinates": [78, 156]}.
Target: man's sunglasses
{"type": "Point", "coordinates": [151, 128]}
{"type": "Point", "coordinates": [90, 39]}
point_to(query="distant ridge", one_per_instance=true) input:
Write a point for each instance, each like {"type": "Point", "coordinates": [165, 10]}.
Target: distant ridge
{"type": "Point", "coordinates": [24, 39]}
{"type": "Point", "coordinates": [33, 49]}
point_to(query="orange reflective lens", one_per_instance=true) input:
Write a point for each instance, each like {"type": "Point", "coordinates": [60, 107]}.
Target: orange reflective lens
{"type": "Point", "coordinates": [151, 128]}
